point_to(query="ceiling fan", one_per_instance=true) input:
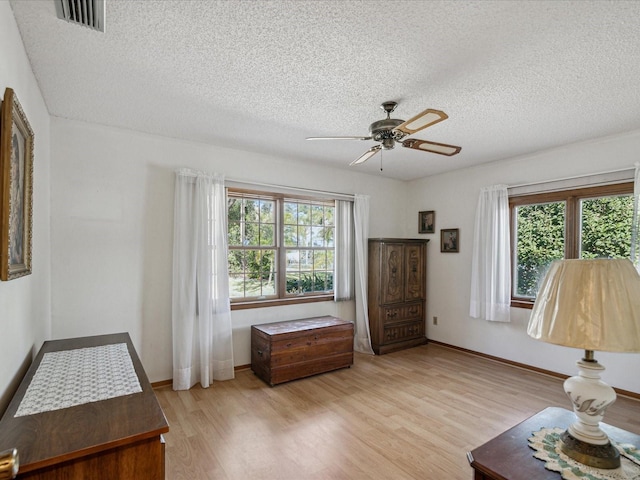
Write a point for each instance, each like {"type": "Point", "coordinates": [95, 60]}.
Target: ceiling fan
{"type": "Point", "coordinates": [392, 130]}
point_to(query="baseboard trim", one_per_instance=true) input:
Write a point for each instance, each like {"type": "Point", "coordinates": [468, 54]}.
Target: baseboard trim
{"type": "Point", "coordinates": [168, 383]}
{"type": "Point", "coordinates": [162, 383]}
{"type": "Point", "coordinates": [619, 391]}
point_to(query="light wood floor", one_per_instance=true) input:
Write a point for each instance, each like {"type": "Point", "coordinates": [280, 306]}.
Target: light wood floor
{"type": "Point", "coordinates": [407, 415]}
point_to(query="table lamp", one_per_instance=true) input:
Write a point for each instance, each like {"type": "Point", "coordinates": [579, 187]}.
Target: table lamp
{"type": "Point", "coordinates": [592, 305]}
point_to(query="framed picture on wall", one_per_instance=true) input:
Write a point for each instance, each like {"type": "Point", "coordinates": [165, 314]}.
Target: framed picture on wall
{"type": "Point", "coordinates": [450, 240]}
{"type": "Point", "coordinates": [427, 221]}
{"type": "Point", "coordinates": [16, 180]}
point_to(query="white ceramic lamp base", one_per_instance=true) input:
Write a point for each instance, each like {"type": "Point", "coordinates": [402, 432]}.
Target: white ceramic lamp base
{"type": "Point", "coordinates": [584, 440]}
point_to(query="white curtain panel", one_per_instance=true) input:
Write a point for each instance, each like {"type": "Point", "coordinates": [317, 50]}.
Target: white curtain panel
{"type": "Point", "coordinates": [201, 312]}
{"type": "Point", "coordinates": [344, 270]}
{"type": "Point", "coordinates": [635, 227]}
{"type": "Point", "coordinates": [362, 340]}
{"type": "Point", "coordinates": [491, 262]}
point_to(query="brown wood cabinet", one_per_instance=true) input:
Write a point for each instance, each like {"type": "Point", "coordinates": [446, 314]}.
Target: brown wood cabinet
{"type": "Point", "coordinates": [397, 293]}
{"type": "Point", "coordinates": [116, 438]}
{"type": "Point", "coordinates": [294, 349]}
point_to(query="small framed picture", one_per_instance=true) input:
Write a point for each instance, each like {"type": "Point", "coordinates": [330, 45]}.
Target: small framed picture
{"type": "Point", "coordinates": [450, 240]}
{"type": "Point", "coordinates": [427, 222]}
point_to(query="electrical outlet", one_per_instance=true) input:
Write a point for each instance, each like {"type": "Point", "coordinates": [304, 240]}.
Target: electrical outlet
{"type": "Point", "coordinates": [435, 320]}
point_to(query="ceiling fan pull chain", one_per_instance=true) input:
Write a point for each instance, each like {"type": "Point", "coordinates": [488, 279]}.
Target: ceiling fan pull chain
{"type": "Point", "coordinates": [380, 160]}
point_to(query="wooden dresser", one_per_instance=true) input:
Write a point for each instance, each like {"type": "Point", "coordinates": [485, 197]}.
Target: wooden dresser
{"type": "Point", "coordinates": [294, 349]}
{"type": "Point", "coordinates": [397, 293]}
{"type": "Point", "coordinates": [117, 438]}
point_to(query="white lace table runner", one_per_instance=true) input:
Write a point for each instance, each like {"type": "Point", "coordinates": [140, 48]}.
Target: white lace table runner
{"type": "Point", "coordinates": [74, 377]}
{"type": "Point", "coordinates": [546, 444]}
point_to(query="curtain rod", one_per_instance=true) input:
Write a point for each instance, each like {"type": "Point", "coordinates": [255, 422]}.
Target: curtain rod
{"type": "Point", "coordinates": [337, 195]}
{"type": "Point", "coordinates": [577, 177]}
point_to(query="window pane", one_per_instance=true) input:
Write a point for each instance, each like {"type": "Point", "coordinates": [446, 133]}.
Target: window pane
{"type": "Point", "coordinates": [251, 210]}
{"type": "Point", "coordinates": [293, 283]}
{"type": "Point", "coordinates": [290, 213]}
{"type": "Point", "coordinates": [267, 211]}
{"type": "Point", "coordinates": [236, 285]}
{"type": "Point", "coordinates": [320, 282]}
{"type": "Point", "coordinates": [605, 227]}
{"type": "Point", "coordinates": [330, 260]}
{"type": "Point", "coordinates": [269, 286]}
{"type": "Point", "coordinates": [234, 209]}
{"type": "Point", "coordinates": [234, 233]}
{"type": "Point", "coordinates": [293, 260]}
{"type": "Point", "coordinates": [539, 241]}
{"type": "Point", "coordinates": [304, 214]}
{"type": "Point", "coordinates": [267, 236]}
{"type": "Point", "coordinates": [320, 260]}
{"type": "Point", "coordinates": [306, 260]}
{"type": "Point", "coordinates": [236, 261]}
{"type": "Point", "coordinates": [304, 236]}
{"type": "Point", "coordinates": [290, 236]}
{"type": "Point", "coordinates": [329, 213]}
{"type": "Point", "coordinates": [251, 235]}
{"type": "Point", "coordinates": [317, 215]}
{"type": "Point", "coordinates": [317, 236]}
{"type": "Point", "coordinates": [328, 236]}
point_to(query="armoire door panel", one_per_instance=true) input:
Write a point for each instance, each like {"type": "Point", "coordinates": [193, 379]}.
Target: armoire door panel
{"type": "Point", "coordinates": [393, 273]}
{"type": "Point", "coordinates": [414, 283]}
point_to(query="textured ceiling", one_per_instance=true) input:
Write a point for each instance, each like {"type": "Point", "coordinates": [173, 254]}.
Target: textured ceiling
{"type": "Point", "coordinates": [514, 76]}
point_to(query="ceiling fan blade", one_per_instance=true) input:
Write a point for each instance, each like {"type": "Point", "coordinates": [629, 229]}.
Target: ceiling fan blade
{"type": "Point", "coordinates": [338, 138]}
{"type": "Point", "coordinates": [433, 147]}
{"type": "Point", "coordinates": [366, 155]}
{"type": "Point", "coordinates": [422, 120]}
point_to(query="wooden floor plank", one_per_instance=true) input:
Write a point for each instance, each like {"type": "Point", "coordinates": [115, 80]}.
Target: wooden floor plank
{"type": "Point", "coordinates": [411, 414]}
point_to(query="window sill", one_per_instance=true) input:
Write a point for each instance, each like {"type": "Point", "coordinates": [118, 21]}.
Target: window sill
{"type": "Point", "coordinates": [528, 304]}
{"type": "Point", "coordinates": [280, 302]}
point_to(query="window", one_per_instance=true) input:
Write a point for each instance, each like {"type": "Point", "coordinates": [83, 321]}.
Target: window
{"type": "Point", "coordinates": [581, 223]}
{"type": "Point", "coordinates": [281, 249]}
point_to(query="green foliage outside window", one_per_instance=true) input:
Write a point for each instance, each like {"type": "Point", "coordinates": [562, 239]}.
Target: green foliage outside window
{"type": "Point", "coordinates": [604, 232]}
{"type": "Point", "coordinates": [540, 240]}
{"type": "Point", "coordinates": [606, 227]}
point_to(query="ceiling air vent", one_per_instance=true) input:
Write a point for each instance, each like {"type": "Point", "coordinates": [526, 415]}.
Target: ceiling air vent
{"type": "Point", "coordinates": [88, 13]}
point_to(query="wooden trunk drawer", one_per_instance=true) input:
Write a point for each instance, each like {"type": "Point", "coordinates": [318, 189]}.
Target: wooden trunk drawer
{"type": "Point", "coordinates": [285, 351]}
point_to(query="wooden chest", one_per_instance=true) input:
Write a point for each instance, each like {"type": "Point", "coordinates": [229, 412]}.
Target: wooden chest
{"type": "Point", "coordinates": [285, 351]}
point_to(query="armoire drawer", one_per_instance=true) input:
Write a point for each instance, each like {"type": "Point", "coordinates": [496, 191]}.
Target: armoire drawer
{"type": "Point", "coordinates": [405, 331]}
{"type": "Point", "coordinates": [402, 313]}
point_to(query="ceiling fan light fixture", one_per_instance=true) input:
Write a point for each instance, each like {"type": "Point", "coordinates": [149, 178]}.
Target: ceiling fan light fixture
{"type": "Point", "coordinates": [389, 131]}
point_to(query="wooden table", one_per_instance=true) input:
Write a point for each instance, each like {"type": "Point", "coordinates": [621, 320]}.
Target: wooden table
{"type": "Point", "coordinates": [116, 438]}
{"type": "Point", "coordinates": [509, 457]}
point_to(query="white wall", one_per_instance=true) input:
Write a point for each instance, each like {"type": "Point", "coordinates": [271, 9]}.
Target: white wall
{"type": "Point", "coordinates": [454, 196]}
{"type": "Point", "coordinates": [112, 231]}
{"type": "Point", "coordinates": [25, 302]}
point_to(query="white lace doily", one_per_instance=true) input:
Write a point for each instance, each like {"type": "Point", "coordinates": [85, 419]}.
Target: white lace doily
{"type": "Point", "coordinates": [73, 377]}
{"type": "Point", "coordinates": [546, 444]}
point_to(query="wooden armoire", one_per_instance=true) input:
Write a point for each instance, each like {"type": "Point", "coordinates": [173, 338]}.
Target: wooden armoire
{"type": "Point", "coordinates": [397, 293]}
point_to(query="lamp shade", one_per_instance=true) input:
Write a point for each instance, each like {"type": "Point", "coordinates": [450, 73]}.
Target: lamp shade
{"type": "Point", "coordinates": [589, 304]}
